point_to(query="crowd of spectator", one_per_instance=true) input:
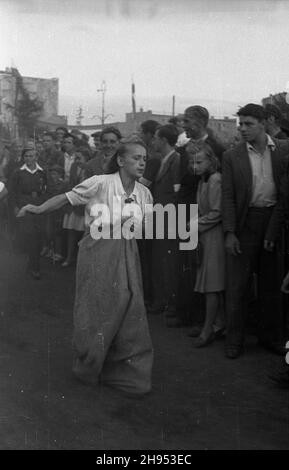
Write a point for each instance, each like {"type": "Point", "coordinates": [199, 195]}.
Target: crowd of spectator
{"type": "Point", "coordinates": [242, 197]}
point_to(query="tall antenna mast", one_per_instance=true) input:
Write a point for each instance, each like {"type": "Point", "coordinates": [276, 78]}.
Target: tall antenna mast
{"type": "Point", "coordinates": [79, 116]}
{"type": "Point", "coordinates": [174, 105]}
{"type": "Point", "coordinates": [102, 90]}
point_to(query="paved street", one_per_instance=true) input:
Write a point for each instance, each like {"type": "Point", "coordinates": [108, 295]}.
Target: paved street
{"type": "Point", "coordinates": [200, 400]}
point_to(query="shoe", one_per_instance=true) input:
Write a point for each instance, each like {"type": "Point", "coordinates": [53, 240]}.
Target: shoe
{"type": "Point", "coordinates": [36, 275]}
{"type": "Point", "coordinates": [233, 351]}
{"type": "Point", "coordinates": [274, 347]}
{"type": "Point", "coordinates": [66, 263]}
{"type": "Point", "coordinates": [48, 254]}
{"type": "Point", "coordinates": [56, 258]}
{"type": "Point", "coordinates": [195, 332]}
{"type": "Point", "coordinates": [220, 333]}
{"type": "Point", "coordinates": [44, 251]}
{"type": "Point", "coordinates": [173, 322]}
{"type": "Point", "coordinates": [202, 342]}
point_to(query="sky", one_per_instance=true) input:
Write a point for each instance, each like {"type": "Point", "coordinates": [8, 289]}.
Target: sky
{"type": "Point", "coordinates": [218, 53]}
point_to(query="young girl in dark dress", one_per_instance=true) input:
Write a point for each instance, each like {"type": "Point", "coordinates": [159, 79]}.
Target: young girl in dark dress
{"type": "Point", "coordinates": [28, 186]}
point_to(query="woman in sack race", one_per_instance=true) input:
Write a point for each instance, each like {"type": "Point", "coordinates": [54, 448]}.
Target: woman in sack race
{"type": "Point", "coordinates": [111, 340]}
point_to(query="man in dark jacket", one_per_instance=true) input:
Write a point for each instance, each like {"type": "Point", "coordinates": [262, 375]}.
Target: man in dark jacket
{"type": "Point", "coordinates": [252, 218]}
{"type": "Point", "coordinates": [273, 117]}
{"type": "Point", "coordinates": [50, 154]}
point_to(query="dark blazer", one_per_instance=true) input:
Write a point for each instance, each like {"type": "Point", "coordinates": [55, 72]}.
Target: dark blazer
{"type": "Point", "coordinates": [166, 178]}
{"type": "Point", "coordinates": [237, 187]}
{"type": "Point", "coordinates": [49, 157]}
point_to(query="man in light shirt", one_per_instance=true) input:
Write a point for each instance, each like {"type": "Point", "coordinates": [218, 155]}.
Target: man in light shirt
{"type": "Point", "coordinates": [252, 217]}
{"type": "Point", "coordinates": [66, 160]}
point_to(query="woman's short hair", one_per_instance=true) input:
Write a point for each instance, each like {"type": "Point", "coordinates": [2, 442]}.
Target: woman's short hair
{"type": "Point", "coordinates": [208, 151]}
{"type": "Point", "coordinates": [25, 150]}
{"type": "Point", "coordinates": [133, 139]}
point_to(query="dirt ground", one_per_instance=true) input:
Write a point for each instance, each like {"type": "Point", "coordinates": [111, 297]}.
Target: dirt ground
{"type": "Point", "coordinates": [200, 400]}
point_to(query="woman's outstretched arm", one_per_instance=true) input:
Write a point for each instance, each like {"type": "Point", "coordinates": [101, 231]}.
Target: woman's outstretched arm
{"type": "Point", "coordinates": [52, 204]}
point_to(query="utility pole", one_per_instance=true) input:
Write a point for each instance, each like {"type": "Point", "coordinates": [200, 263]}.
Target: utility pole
{"type": "Point", "coordinates": [102, 90]}
{"type": "Point", "coordinates": [174, 104]}
{"type": "Point", "coordinates": [79, 116]}
{"type": "Point", "coordinates": [103, 116]}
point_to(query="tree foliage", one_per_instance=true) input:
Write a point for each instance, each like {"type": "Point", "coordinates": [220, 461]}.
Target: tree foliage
{"type": "Point", "coordinates": [27, 110]}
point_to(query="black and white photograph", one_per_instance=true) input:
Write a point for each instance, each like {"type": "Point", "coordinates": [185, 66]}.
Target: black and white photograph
{"type": "Point", "coordinates": [144, 227]}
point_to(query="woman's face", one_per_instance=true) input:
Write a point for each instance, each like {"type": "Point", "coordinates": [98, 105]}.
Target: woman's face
{"type": "Point", "coordinates": [39, 147]}
{"type": "Point", "coordinates": [30, 158]}
{"type": "Point", "coordinates": [80, 159]}
{"type": "Point", "coordinates": [200, 164]}
{"type": "Point", "coordinates": [109, 144]}
{"type": "Point", "coordinates": [134, 161]}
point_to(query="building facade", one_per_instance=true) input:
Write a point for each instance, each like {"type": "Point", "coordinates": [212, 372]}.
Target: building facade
{"type": "Point", "coordinates": [45, 89]}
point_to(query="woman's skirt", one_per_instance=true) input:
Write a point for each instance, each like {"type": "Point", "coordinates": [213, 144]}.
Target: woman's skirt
{"type": "Point", "coordinates": [111, 340]}
{"type": "Point", "coordinates": [211, 272]}
{"type": "Point", "coordinates": [73, 221]}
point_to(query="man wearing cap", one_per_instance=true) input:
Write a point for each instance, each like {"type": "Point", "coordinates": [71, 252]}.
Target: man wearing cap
{"type": "Point", "coordinates": [252, 216]}
{"type": "Point", "coordinates": [273, 122]}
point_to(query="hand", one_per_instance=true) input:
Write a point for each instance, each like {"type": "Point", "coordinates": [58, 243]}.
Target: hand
{"type": "Point", "coordinates": [268, 245]}
{"type": "Point", "coordinates": [285, 284]}
{"type": "Point", "coordinates": [16, 211]}
{"type": "Point", "coordinates": [232, 244]}
{"type": "Point", "coordinates": [28, 208]}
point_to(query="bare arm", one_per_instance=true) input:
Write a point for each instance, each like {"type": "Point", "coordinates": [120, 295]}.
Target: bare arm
{"type": "Point", "coordinates": [3, 193]}
{"type": "Point", "coordinates": [52, 204]}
